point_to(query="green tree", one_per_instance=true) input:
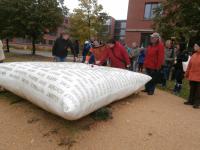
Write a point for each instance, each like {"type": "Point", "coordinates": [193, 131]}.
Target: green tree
{"type": "Point", "coordinates": [88, 20]}
{"type": "Point", "coordinates": [30, 18]}
{"type": "Point", "coordinates": [178, 17]}
{"type": "Point", "coordinates": [65, 10]}
{"type": "Point", "coordinates": [7, 30]}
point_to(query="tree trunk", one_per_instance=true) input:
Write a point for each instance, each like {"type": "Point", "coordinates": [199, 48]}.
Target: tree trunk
{"type": "Point", "coordinates": [33, 46]}
{"type": "Point", "coordinates": [7, 45]}
{"type": "Point", "coordinates": [89, 24]}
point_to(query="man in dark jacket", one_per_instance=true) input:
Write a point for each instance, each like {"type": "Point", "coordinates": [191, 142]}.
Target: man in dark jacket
{"type": "Point", "coordinates": [61, 47]}
{"type": "Point", "coordinates": [76, 50]}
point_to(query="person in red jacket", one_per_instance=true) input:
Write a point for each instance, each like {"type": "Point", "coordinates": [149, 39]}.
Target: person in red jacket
{"type": "Point", "coordinates": [117, 55]}
{"type": "Point", "coordinates": [193, 75]}
{"type": "Point", "coordinates": [154, 59]}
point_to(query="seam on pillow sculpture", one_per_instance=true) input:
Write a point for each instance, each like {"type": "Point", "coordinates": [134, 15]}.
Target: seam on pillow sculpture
{"type": "Point", "coordinates": [69, 90]}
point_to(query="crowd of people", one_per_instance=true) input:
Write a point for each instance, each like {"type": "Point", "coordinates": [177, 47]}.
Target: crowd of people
{"type": "Point", "coordinates": [161, 61]}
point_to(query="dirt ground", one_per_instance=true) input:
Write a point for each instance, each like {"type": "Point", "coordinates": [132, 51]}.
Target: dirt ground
{"type": "Point", "coordinates": [140, 122]}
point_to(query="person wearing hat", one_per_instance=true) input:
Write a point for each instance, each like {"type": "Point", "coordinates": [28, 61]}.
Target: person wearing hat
{"type": "Point", "coordinates": [2, 56]}
{"type": "Point", "coordinates": [116, 54]}
{"type": "Point", "coordinates": [193, 75]}
{"type": "Point", "coordinates": [61, 46]}
{"type": "Point", "coordinates": [154, 59]}
{"type": "Point", "coordinates": [169, 62]}
{"type": "Point", "coordinates": [95, 52]}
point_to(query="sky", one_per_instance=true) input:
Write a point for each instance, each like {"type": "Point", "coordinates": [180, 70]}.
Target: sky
{"type": "Point", "coordinates": [115, 8]}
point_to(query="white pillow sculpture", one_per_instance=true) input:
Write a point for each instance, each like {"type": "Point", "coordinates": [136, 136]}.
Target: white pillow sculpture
{"type": "Point", "coordinates": [69, 90]}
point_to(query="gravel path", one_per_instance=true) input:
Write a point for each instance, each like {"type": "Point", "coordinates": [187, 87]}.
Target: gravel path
{"type": "Point", "coordinates": [141, 122]}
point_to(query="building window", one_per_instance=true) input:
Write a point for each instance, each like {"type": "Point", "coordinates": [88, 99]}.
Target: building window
{"type": "Point", "coordinates": [123, 25]}
{"type": "Point", "coordinates": [51, 42]}
{"type": "Point", "coordinates": [117, 37]}
{"type": "Point", "coordinates": [150, 10]}
{"type": "Point", "coordinates": [117, 25]}
{"type": "Point", "coordinates": [122, 32]}
{"type": "Point", "coordinates": [108, 22]}
{"type": "Point", "coordinates": [106, 29]}
{"type": "Point", "coordinates": [44, 41]}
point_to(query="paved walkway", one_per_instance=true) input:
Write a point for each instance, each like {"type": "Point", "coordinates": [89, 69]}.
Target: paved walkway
{"type": "Point", "coordinates": [159, 122]}
{"type": "Point", "coordinates": [40, 53]}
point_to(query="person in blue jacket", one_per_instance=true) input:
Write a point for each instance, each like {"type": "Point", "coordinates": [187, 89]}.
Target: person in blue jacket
{"type": "Point", "coordinates": [86, 50]}
{"type": "Point", "coordinates": [141, 58]}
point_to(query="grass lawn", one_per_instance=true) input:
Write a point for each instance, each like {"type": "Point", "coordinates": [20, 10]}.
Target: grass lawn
{"type": "Point", "coordinates": [10, 57]}
{"type": "Point", "coordinates": [185, 89]}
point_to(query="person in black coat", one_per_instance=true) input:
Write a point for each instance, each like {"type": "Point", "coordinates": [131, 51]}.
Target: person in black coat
{"type": "Point", "coordinates": [182, 56]}
{"type": "Point", "coordinates": [76, 50]}
{"type": "Point", "coordinates": [61, 47]}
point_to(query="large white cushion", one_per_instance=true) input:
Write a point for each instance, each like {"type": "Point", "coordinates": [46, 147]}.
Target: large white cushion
{"type": "Point", "coordinates": [70, 90]}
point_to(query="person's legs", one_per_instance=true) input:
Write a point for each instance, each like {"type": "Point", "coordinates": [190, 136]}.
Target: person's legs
{"type": "Point", "coordinates": [173, 74]}
{"type": "Point", "coordinates": [60, 59]}
{"type": "Point", "coordinates": [142, 67]}
{"type": "Point", "coordinates": [179, 80]}
{"type": "Point", "coordinates": [1, 88]}
{"type": "Point", "coordinates": [63, 59]}
{"type": "Point", "coordinates": [84, 58]}
{"type": "Point", "coordinates": [150, 86]}
{"type": "Point", "coordinates": [134, 64]}
{"type": "Point", "coordinates": [192, 94]}
{"type": "Point", "coordinates": [131, 60]}
{"type": "Point", "coordinates": [139, 68]}
{"type": "Point", "coordinates": [165, 72]}
{"type": "Point", "coordinates": [92, 59]}
{"type": "Point", "coordinates": [197, 95]}
{"type": "Point", "coordinates": [147, 86]}
{"type": "Point", "coordinates": [57, 59]}
{"type": "Point", "coordinates": [168, 70]}
{"type": "Point", "coordinates": [154, 82]}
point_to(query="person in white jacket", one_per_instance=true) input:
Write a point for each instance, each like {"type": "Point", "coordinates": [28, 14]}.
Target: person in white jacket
{"type": "Point", "coordinates": [2, 56]}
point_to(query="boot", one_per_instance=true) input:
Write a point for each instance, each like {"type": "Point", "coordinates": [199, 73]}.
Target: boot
{"type": "Point", "coordinates": [175, 89]}
{"type": "Point", "coordinates": [179, 88]}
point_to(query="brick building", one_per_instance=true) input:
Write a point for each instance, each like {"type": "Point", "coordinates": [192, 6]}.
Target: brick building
{"type": "Point", "coordinates": [120, 30]}
{"type": "Point", "coordinates": [110, 27]}
{"type": "Point", "coordinates": [139, 21]}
